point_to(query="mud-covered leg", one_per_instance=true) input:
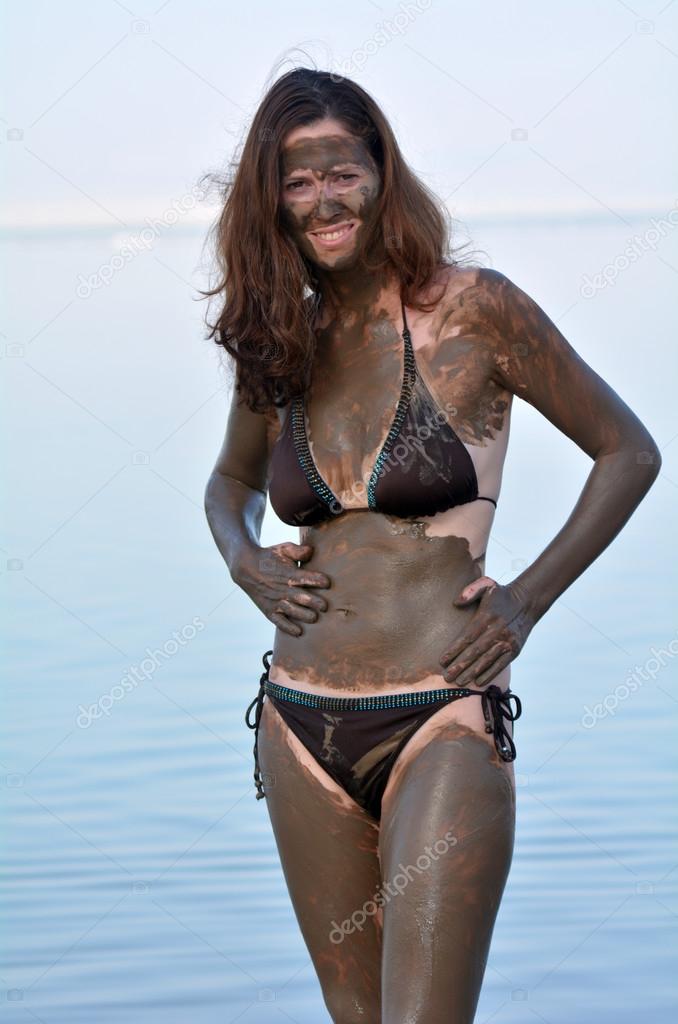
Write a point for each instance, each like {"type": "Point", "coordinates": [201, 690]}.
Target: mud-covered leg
{"type": "Point", "coordinates": [328, 850]}
{"type": "Point", "coordinates": [446, 844]}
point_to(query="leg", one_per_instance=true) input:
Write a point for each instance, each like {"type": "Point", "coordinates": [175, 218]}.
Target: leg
{"type": "Point", "coordinates": [446, 845]}
{"type": "Point", "coordinates": [328, 850]}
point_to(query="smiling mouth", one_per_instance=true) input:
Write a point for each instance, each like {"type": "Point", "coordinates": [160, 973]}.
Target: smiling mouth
{"type": "Point", "coordinates": [334, 235]}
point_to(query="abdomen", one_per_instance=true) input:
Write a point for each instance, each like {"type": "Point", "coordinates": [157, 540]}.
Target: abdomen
{"type": "Point", "coordinates": [390, 613]}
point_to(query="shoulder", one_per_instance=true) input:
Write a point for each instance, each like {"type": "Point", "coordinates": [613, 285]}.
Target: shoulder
{"type": "Point", "coordinates": [504, 327]}
{"type": "Point", "coordinates": [476, 288]}
{"type": "Point", "coordinates": [488, 305]}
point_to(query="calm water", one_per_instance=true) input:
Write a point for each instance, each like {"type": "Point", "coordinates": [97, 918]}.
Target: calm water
{"type": "Point", "coordinates": [141, 880]}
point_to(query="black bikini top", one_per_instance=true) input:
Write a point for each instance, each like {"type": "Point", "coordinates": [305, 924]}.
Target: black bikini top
{"type": "Point", "coordinates": [422, 468]}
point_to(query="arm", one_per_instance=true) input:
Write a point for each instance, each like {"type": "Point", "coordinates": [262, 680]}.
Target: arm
{"type": "Point", "coordinates": [235, 495]}
{"type": "Point", "coordinates": [235, 502]}
{"type": "Point", "coordinates": [534, 361]}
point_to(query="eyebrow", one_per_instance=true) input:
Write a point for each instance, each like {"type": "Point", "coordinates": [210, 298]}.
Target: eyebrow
{"type": "Point", "coordinates": [333, 169]}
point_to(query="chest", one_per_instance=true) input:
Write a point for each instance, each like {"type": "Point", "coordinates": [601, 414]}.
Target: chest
{"type": "Point", "coordinates": [359, 396]}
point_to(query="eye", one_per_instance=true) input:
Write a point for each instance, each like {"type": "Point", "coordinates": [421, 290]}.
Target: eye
{"type": "Point", "coordinates": [348, 176]}
{"type": "Point", "coordinates": [291, 186]}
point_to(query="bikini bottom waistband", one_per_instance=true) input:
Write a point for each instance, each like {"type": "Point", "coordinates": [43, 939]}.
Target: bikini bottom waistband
{"type": "Point", "coordinates": [496, 705]}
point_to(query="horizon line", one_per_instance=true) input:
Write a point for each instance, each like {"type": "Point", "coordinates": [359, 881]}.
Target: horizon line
{"type": "Point", "coordinates": [47, 220]}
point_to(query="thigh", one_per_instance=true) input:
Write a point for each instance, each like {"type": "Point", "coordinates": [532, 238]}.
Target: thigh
{"type": "Point", "coordinates": [446, 844]}
{"type": "Point", "coordinates": [328, 848]}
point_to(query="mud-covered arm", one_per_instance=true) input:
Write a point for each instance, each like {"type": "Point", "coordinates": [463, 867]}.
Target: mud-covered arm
{"type": "Point", "coordinates": [235, 502]}
{"type": "Point", "coordinates": [235, 495]}
{"type": "Point", "coordinates": [534, 361]}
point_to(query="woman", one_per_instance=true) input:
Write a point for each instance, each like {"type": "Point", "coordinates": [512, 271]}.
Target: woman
{"type": "Point", "coordinates": [375, 413]}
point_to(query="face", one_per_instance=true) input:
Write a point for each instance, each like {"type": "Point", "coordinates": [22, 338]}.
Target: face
{"type": "Point", "coordinates": [328, 191]}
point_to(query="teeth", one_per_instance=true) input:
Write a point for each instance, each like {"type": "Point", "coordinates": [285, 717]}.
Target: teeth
{"type": "Point", "coordinates": [329, 236]}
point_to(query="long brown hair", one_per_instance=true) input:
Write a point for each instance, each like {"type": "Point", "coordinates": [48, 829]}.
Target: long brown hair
{"type": "Point", "coordinates": [265, 322]}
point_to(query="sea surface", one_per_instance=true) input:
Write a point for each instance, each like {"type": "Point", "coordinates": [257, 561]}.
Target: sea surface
{"type": "Point", "coordinates": [140, 879]}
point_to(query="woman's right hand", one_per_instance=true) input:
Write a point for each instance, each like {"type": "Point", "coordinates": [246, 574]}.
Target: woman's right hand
{"type": "Point", "coordinates": [278, 587]}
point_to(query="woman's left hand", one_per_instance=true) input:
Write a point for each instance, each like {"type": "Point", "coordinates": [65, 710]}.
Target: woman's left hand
{"type": "Point", "coordinates": [493, 637]}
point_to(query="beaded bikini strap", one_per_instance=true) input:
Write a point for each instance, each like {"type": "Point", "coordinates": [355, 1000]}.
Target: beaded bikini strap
{"type": "Point", "coordinates": [406, 390]}
{"type": "Point", "coordinates": [300, 437]}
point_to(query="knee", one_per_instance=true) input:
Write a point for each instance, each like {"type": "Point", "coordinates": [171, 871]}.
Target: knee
{"type": "Point", "coordinates": [346, 1007]}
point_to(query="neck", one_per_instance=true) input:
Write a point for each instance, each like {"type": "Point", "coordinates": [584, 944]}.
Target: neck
{"type": "Point", "coordinates": [355, 291]}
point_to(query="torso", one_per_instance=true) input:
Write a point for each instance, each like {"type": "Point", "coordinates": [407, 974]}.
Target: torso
{"type": "Point", "coordinates": [390, 614]}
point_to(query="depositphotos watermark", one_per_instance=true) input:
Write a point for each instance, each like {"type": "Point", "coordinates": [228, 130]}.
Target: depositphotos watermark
{"type": "Point", "coordinates": [401, 451]}
{"type": "Point", "coordinates": [395, 887]}
{"type": "Point", "coordinates": [143, 241]}
{"type": "Point", "coordinates": [636, 248]}
{"type": "Point", "coordinates": [640, 675]}
{"type": "Point", "coordinates": [136, 674]}
{"type": "Point", "coordinates": [386, 31]}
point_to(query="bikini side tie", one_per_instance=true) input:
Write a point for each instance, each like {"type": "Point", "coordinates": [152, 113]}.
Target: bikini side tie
{"type": "Point", "coordinates": [258, 705]}
{"type": "Point", "coordinates": [497, 710]}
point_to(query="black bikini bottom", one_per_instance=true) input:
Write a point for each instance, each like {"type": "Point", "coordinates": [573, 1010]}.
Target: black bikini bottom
{"type": "Point", "coordinates": [357, 739]}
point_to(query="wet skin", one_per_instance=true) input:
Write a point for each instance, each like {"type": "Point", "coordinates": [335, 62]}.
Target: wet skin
{"type": "Point", "coordinates": [393, 937]}
{"type": "Point", "coordinates": [373, 603]}
{"type": "Point", "coordinates": [385, 573]}
{"type": "Point", "coordinates": [326, 181]}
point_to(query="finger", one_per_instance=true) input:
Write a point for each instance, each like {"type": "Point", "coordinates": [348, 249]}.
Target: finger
{"type": "Point", "coordinates": [285, 625]}
{"type": "Point", "coordinates": [310, 600]}
{"type": "Point", "coordinates": [306, 578]}
{"type": "Point", "coordinates": [481, 664]}
{"type": "Point", "coordinates": [493, 670]}
{"type": "Point", "coordinates": [296, 611]}
{"type": "Point", "coordinates": [274, 593]}
{"type": "Point", "coordinates": [297, 552]}
{"type": "Point", "coordinates": [469, 654]}
{"type": "Point", "coordinates": [303, 552]}
{"type": "Point", "coordinates": [471, 634]}
{"type": "Point", "coordinates": [300, 577]}
{"type": "Point", "coordinates": [475, 590]}
{"type": "Point", "coordinates": [275, 570]}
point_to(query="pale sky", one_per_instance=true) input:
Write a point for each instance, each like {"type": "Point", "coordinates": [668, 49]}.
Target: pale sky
{"type": "Point", "coordinates": [112, 110]}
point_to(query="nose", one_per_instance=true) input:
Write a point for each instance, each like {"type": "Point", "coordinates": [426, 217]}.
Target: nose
{"type": "Point", "coordinates": [327, 206]}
